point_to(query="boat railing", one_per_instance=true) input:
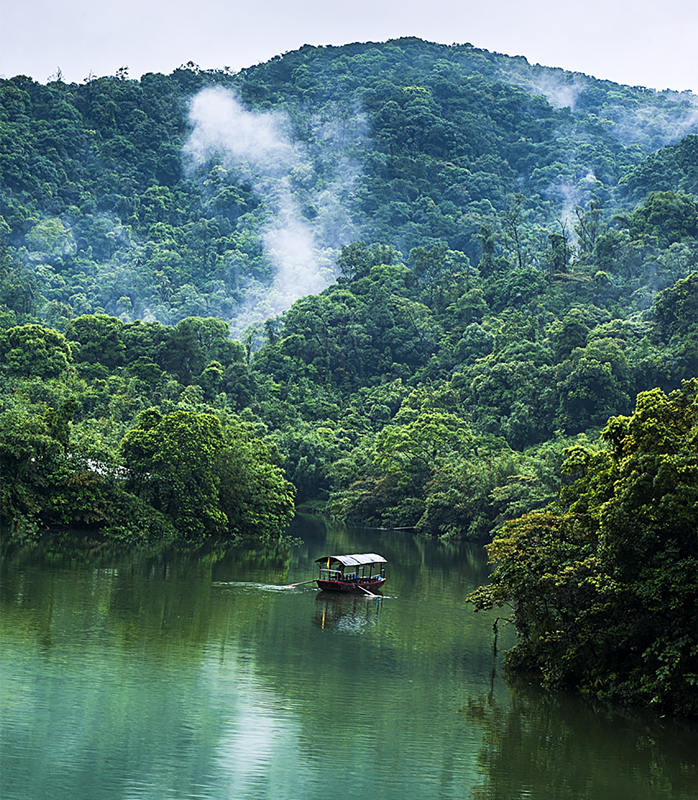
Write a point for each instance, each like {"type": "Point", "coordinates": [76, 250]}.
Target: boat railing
{"type": "Point", "coordinates": [338, 575]}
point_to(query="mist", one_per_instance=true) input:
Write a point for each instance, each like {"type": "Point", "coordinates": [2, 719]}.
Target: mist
{"type": "Point", "coordinates": [303, 189]}
{"type": "Point", "coordinates": [648, 124]}
{"type": "Point", "coordinates": [666, 117]}
{"type": "Point", "coordinates": [561, 90]}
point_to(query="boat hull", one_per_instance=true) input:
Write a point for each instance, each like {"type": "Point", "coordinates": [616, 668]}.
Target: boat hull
{"type": "Point", "coordinates": [369, 584]}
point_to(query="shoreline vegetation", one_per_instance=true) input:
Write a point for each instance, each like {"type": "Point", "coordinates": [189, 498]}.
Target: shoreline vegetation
{"type": "Point", "coordinates": [602, 582]}
{"type": "Point", "coordinates": [506, 271]}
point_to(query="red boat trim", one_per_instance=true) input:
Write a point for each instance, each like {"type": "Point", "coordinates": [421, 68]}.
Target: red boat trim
{"type": "Point", "coordinates": [350, 586]}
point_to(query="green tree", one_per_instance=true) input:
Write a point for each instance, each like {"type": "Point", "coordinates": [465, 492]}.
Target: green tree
{"type": "Point", "coordinates": [255, 496]}
{"type": "Point", "coordinates": [413, 450]}
{"type": "Point", "coordinates": [210, 479]}
{"type": "Point", "coordinates": [29, 459]}
{"type": "Point", "coordinates": [173, 462]}
{"type": "Point", "coordinates": [34, 350]}
{"type": "Point", "coordinates": [98, 339]}
{"type": "Point", "coordinates": [603, 584]}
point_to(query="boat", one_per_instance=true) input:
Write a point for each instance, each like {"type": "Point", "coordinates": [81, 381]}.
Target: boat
{"type": "Point", "coordinates": [358, 572]}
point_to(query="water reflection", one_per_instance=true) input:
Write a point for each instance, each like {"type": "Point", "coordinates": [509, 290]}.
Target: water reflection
{"type": "Point", "coordinates": [348, 613]}
{"type": "Point", "coordinates": [178, 675]}
{"type": "Point", "coordinates": [257, 732]}
{"type": "Point", "coordinates": [550, 746]}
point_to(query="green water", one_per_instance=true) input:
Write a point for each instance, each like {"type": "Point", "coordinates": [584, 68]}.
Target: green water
{"type": "Point", "coordinates": [178, 677]}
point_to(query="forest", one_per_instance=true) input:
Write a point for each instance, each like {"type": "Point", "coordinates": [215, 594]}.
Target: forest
{"type": "Point", "coordinates": [406, 284]}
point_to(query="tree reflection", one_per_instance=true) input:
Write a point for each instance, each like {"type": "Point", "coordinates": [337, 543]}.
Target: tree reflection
{"type": "Point", "coordinates": [556, 747]}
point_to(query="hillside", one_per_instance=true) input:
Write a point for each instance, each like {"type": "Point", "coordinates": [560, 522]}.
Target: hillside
{"type": "Point", "coordinates": [516, 224]}
{"type": "Point", "coordinates": [115, 200]}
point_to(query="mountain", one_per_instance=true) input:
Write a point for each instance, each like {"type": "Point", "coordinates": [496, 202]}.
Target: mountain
{"type": "Point", "coordinates": [109, 206]}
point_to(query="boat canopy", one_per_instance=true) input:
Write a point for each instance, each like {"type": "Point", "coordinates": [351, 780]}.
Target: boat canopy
{"type": "Point", "coordinates": [355, 559]}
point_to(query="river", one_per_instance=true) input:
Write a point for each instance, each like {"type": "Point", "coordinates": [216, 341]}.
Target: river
{"type": "Point", "coordinates": [181, 676]}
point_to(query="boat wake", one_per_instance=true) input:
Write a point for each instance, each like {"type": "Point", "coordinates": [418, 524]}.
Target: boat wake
{"type": "Point", "coordinates": [275, 587]}
{"type": "Point", "coordinates": [263, 587]}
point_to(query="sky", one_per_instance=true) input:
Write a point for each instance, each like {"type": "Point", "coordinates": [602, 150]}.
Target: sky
{"type": "Point", "coordinates": [646, 42]}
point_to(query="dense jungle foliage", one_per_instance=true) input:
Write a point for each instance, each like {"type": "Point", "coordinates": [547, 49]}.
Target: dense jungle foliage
{"type": "Point", "coordinates": [603, 581]}
{"type": "Point", "coordinates": [511, 255]}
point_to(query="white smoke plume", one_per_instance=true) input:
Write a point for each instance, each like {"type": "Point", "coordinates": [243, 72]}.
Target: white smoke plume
{"type": "Point", "coordinates": [559, 93]}
{"type": "Point", "coordinates": [260, 148]}
{"type": "Point", "coordinates": [221, 126]}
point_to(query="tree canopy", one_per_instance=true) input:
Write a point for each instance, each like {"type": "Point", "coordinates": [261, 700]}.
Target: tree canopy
{"type": "Point", "coordinates": [603, 581]}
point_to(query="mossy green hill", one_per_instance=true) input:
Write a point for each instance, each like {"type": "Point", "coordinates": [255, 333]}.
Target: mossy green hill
{"type": "Point", "coordinates": [99, 206]}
